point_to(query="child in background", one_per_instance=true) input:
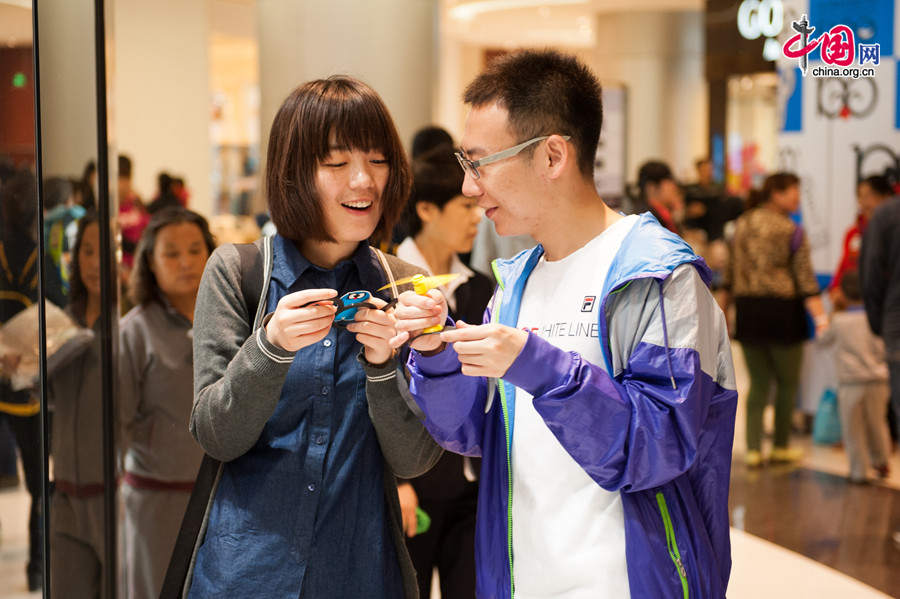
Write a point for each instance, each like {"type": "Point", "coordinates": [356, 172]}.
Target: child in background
{"type": "Point", "coordinates": [863, 390]}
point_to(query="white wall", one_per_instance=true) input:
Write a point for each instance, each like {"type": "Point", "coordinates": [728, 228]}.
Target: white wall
{"type": "Point", "coordinates": [659, 57]}
{"type": "Point", "coordinates": [389, 44]}
{"type": "Point", "coordinates": [160, 105]}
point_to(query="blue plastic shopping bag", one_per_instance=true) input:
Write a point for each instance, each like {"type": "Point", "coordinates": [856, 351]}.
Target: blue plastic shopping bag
{"type": "Point", "coordinates": [827, 423]}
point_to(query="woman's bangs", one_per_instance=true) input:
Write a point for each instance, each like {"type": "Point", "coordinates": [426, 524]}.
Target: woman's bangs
{"type": "Point", "coordinates": [361, 124]}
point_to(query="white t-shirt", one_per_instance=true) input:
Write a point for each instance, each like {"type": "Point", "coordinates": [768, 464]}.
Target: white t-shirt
{"type": "Point", "coordinates": [568, 532]}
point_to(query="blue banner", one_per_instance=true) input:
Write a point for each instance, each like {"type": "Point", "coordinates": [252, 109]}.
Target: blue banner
{"type": "Point", "coordinates": [793, 109]}
{"type": "Point", "coordinates": [872, 21]}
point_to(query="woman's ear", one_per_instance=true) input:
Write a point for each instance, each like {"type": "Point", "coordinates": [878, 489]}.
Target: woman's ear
{"type": "Point", "coordinates": [427, 211]}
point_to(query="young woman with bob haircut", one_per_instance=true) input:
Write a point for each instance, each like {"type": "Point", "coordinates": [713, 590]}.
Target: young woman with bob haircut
{"type": "Point", "coordinates": [306, 416]}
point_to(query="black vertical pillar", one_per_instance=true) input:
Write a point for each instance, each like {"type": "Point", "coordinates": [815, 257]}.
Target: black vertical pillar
{"type": "Point", "coordinates": [42, 319]}
{"type": "Point", "coordinates": [109, 312]}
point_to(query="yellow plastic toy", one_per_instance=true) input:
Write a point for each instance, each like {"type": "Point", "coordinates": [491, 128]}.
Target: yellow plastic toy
{"type": "Point", "coordinates": [422, 285]}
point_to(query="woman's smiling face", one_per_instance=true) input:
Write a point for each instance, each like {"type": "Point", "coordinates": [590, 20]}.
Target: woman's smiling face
{"type": "Point", "coordinates": [350, 183]}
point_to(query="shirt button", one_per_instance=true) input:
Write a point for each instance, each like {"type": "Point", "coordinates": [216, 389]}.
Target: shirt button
{"type": "Point", "coordinates": [327, 343]}
{"type": "Point", "coordinates": [320, 440]}
{"type": "Point", "coordinates": [311, 487]}
{"type": "Point", "coordinates": [325, 390]}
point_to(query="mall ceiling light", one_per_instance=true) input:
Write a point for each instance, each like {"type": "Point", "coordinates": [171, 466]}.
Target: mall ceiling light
{"type": "Point", "coordinates": [469, 10]}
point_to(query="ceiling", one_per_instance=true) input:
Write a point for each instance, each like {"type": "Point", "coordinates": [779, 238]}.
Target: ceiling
{"type": "Point", "coordinates": [541, 22]}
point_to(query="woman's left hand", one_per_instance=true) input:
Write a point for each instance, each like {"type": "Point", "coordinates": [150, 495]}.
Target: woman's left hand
{"type": "Point", "coordinates": [374, 328]}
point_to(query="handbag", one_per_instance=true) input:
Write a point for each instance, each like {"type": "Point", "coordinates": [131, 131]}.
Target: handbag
{"type": "Point", "coordinates": [827, 421]}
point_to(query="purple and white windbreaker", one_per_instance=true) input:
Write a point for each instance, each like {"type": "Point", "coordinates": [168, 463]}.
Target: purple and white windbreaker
{"type": "Point", "coordinates": [659, 416]}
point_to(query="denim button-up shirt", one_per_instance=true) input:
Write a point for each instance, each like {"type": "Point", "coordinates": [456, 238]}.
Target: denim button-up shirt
{"type": "Point", "coordinates": [304, 509]}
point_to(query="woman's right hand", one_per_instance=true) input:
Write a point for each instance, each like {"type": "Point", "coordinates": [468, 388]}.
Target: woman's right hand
{"type": "Point", "coordinates": [292, 328]}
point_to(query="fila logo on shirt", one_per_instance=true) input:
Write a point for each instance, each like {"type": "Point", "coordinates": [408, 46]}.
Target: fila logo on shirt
{"type": "Point", "coordinates": [588, 304]}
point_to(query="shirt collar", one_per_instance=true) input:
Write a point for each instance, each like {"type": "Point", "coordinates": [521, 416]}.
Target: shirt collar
{"type": "Point", "coordinates": [170, 310]}
{"type": "Point", "coordinates": [289, 264]}
{"type": "Point", "coordinates": [408, 251]}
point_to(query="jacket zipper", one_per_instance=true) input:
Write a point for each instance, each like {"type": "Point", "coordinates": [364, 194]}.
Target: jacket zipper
{"type": "Point", "coordinates": [671, 543]}
{"type": "Point", "coordinates": [495, 317]}
{"type": "Point", "coordinates": [509, 546]}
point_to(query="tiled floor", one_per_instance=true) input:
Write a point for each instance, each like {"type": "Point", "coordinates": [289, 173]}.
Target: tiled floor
{"type": "Point", "coordinates": [822, 517]}
{"type": "Point", "coordinates": [14, 505]}
{"type": "Point", "coordinates": [764, 570]}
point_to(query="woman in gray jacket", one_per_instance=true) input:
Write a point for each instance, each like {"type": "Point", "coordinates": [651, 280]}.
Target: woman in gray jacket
{"type": "Point", "coordinates": [306, 504]}
{"type": "Point", "coordinates": [156, 394]}
{"type": "Point", "coordinates": [74, 389]}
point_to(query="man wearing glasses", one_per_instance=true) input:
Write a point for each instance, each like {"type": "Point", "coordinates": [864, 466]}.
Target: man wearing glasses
{"type": "Point", "coordinates": [599, 390]}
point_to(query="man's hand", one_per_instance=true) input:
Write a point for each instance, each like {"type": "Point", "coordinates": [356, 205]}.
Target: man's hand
{"type": "Point", "coordinates": [292, 327]}
{"type": "Point", "coordinates": [415, 313]}
{"type": "Point", "coordinates": [409, 501]}
{"type": "Point", "coordinates": [487, 349]}
{"type": "Point", "coordinates": [374, 329]}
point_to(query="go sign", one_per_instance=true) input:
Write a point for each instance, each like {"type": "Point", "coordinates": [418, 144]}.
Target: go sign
{"type": "Point", "coordinates": [760, 17]}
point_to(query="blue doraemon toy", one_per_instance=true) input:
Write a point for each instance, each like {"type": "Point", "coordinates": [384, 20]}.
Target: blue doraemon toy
{"type": "Point", "coordinates": [348, 304]}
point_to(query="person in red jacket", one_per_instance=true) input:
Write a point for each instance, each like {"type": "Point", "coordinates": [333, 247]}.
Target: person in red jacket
{"type": "Point", "coordinates": [871, 192]}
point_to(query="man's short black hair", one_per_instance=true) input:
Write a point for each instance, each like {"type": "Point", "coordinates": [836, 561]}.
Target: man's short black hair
{"type": "Point", "coordinates": [545, 92]}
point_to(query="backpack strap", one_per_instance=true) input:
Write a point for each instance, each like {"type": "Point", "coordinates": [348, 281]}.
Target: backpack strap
{"type": "Point", "coordinates": [387, 271]}
{"type": "Point", "coordinates": [252, 276]}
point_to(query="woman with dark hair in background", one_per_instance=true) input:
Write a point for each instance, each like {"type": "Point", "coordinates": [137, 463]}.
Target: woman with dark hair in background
{"type": "Point", "coordinates": [442, 223]}
{"type": "Point", "coordinates": [773, 284]}
{"type": "Point", "coordinates": [74, 388]}
{"type": "Point", "coordinates": [156, 382]}
{"type": "Point", "coordinates": [306, 416]}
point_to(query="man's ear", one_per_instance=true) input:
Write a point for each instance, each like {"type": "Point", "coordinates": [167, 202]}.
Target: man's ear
{"type": "Point", "coordinates": [427, 211]}
{"type": "Point", "coordinates": [558, 155]}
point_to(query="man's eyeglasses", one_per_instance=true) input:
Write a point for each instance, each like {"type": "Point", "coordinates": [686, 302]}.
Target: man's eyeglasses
{"type": "Point", "coordinates": [471, 166]}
